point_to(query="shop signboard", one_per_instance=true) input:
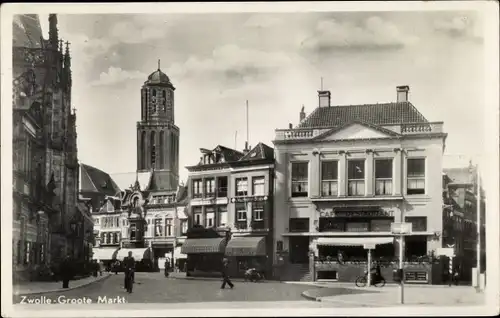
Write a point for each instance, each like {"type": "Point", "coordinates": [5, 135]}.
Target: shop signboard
{"type": "Point", "coordinates": [354, 214]}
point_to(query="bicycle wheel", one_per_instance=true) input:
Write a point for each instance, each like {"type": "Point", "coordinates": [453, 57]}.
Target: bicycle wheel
{"type": "Point", "coordinates": [361, 281]}
{"type": "Point", "coordinates": [380, 283]}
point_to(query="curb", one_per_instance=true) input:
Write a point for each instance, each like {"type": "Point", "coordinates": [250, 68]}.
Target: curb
{"type": "Point", "coordinates": [306, 295]}
{"type": "Point", "coordinates": [61, 289]}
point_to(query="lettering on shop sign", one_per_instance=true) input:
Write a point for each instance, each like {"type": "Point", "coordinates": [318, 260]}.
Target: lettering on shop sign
{"type": "Point", "coordinates": [350, 214]}
{"type": "Point", "coordinates": [249, 199]}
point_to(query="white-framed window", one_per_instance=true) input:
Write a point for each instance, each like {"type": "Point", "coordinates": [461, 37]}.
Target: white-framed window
{"type": "Point", "coordinates": [184, 226]}
{"type": "Point", "coordinates": [416, 176]}
{"type": "Point", "coordinates": [197, 215]}
{"type": "Point", "coordinates": [158, 227]}
{"type": "Point", "coordinates": [329, 178]}
{"type": "Point", "coordinates": [209, 187]}
{"type": "Point", "coordinates": [241, 187]}
{"type": "Point", "coordinates": [356, 177]}
{"type": "Point", "coordinates": [300, 177]}
{"type": "Point", "coordinates": [27, 255]}
{"type": "Point", "coordinates": [258, 211]}
{"type": "Point", "coordinates": [383, 176]}
{"type": "Point", "coordinates": [258, 185]}
{"type": "Point", "coordinates": [197, 186]}
{"type": "Point", "coordinates": [209, 216]}
{"type": "Point", "coordinates": [222, 219]}
{"type": "Point", "coordinates": [168, 227]}
{"type": "Point", "coordinates": [241, 211]}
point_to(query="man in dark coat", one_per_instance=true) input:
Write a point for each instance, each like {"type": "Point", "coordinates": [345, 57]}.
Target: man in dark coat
{"type": "Point", "coordinates": [129, 267]}
{"type": "Point", "coordinates": [225, 276]}
{"type": "Point", "coordinates": [66, 270]}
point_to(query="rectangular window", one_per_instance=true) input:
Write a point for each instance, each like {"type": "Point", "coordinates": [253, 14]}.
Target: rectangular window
{"type": "Point", "coordinates": [299, 225]}
{"type": "Point", "coordinates": [258, 211]}
{"type": "Point", "coordinates": [222, 215]}
{"type": "Point", "coordinates": [197, 188]}
{"type": "Point", "coordinates": [158, 227]}
{"type": "Point", "coordinates": [241, 211]}
{"type": "Point", "coordinates": [209, 216]}
{"type": "Point", "coordinates": [168, 227]}
{"type": "Point", "coordinates": [300, 177]}
{"type": "Point", "coordinates": [222, 187]}
{"type": "Point", "coordinates": [27, 254]}
{"type": "Point", "coordinates": [416, 176]}
{"type": "Point", "coordinates": [133, 231]}
{"type": "Point", "coordinates": [331, 225]}
{"type": "Point", "coordinates": [258, 185]}
{"type": "Point", "coordinates": [383, 176]}
{"type": "Point", "coordinates": [329, 178]}
{"type": "Point", "coordinates": [381, 225]}
{"type": "Point", "coordinates": [209, 187]}
{"type": "Point", "coordinates": [357, 226]}
{"type": "Point", "coordinates": [356, 177]}
{"type": "Point", "coordinates": [197, 215]}
{"type": "Point", "coordinates": [241, 187]}
{"type": "Point", "coordinates": [418, 223]}
{"type": "Point", "coordinates": [184, 227]}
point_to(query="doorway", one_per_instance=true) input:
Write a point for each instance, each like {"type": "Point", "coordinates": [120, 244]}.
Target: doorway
{"type": "Point", "coordinates": [299, 250]}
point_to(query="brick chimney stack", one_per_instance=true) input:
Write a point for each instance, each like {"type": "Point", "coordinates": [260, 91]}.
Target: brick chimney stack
{"type": "Point", "coordinates": [324, 98]}
{"type": "Point", "coordinates": [402, 92]}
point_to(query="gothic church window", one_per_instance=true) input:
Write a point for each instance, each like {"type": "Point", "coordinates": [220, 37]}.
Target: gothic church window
{"type": "Point", "coordinates": [164, 101]}
{"type": "Point", "coordinates": [162, 145]}
{"type": "Point", "coordinates": [152, 144]}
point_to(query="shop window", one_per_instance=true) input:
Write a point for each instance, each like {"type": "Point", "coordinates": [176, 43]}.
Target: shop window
{"type": "Point", "coordinates": [258, 186]}
{"type": "Point", "coordinates": [419, 223]}
{"type": "Point", "coordinates": [241, 187]}
{"type": "Point", "coordinates": [299, 225]}
{"type": "Point", "coordinates": [329, 178]}
{"type": "Point", "coordinates": [416, 176]}
{"type": "Point", "coordinates": [300, 177]}
{"type": "Point", "coordinates": [380, 225]}
{"type": "Point", "coordinates": [356, 177]}
{"type": "Point", "coordinates": [357, 226]}
{"type": "Point", "coordinates": [415, 246]}
{"type": "Point", "coordinates": [222, 219]}
{"type": "Point", "coordinates": [383, 176]}
{"type": "Point", "coordinates": [331, 225]}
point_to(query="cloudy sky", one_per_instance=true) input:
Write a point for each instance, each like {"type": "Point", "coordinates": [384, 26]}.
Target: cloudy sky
{"type": "Point", "coordinates": [275, 61]}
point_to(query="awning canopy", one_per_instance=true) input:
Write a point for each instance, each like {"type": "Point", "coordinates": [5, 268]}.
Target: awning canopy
{"type": "Point", "coordinates": [104, 254]}
{"type": "Point", "coordinates": [246, 246]}
{"type": "Point", "coordinates": [204, 245]}
{"type": "Point", "coordinates": [178, 253]}
{"type": "Point", "coordinates": [353, 241]}
{"type": "Point", "coordinates": [137, 253]}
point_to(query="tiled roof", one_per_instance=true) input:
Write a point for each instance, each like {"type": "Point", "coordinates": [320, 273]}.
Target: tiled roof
{"type": "Point", "coordinates": [161, 180]}
{"type": "Point", "coordinates": [377, 114]}
{"type": "Point", "coordinates": [95, 180]}
{"type": "Point", "coordinates": [229, 154]}
{"type": "Point", "coordinates": [158, 77]}
{"type": "Point", "coordinates": [26, 31]}
{"type": "Point", "coordinates": [259, 152]}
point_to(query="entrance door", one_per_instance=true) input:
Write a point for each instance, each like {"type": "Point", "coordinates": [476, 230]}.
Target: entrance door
{"type": "Point", "coordinates": [299, 250]}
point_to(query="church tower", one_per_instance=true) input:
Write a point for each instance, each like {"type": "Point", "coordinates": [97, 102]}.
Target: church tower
{"type": "Point", "coordinates": [157, 134]}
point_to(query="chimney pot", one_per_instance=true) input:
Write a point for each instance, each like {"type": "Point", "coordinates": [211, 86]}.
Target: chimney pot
{"type": "Point", "coordinates": [402, 93]}
{"type": "Point", "coordinates": [290, 126]}
{"type": "Point", "coordinates": [324, 98]}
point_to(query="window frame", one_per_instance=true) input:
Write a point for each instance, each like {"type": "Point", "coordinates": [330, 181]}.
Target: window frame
{"type": "Point", "coordinates": [418, 178]}
{"type": "Point", "coordinates": [258, 208]}
{"type": "Point", "coordinates": [329, 181]}
{"type": "Point", "coordinates": [384, 180]}
{"type": "Point", "coordinates": [210, 210]}
{"type": "Point", "coordinates": [197, 188]}
{"type": "Point", "coordinates": [158, 223]}
{"type": "Point", "coordinates": [206, 188]}
{"type": "Point", "coordinates": [363, 181]}
{"type": "Point", "coordinates": [198, 212]}
{"type": "Point", "coordinates": [259, 181]}
{"type": "Point", "coordinates": [219, 212]}
{"type": "Point", "coordinates": [304, 181]}
{"type": "Point", "coordinates": [241, 193]}
{"type": "Point", "coordinates": [238, 211]}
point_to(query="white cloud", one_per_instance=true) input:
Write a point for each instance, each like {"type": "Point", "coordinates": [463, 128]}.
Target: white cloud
{"type": "Point", "coordinates": [373, 33]}
{"type": "Point", "coordinates": [459, 26]}
{"type": "Point", "coordinates": [133, 33]}
{"type": "Point", "coordinates": [262, 21]}
{"type": "Point", "coordinates": [232, 59]}
{"type": "Point", "coordinates": [116, 75]}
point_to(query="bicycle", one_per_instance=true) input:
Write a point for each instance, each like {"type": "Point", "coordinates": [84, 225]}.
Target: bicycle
{"type": "Point", "coordinates": [129, 280]}
{"type": "Point", "coordinates": [361, 281]}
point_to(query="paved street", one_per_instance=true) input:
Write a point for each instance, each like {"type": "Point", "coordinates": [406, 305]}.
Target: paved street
{"type": "Point", "coordinates": [155, 288]}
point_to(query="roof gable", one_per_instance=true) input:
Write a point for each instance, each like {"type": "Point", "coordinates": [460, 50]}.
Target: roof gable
{"type": "Point", "coordinates": [377, 114]}
{"type": "Point", "coordinates": [95, 180]}
{"type": "Point", "coordinates": [259, 152]}
{"type": "Point", "coordinates": [357, 130]}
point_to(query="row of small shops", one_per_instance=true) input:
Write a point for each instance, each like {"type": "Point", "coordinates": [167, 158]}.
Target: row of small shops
{"type": "Point", "coordinates": [205, 255]}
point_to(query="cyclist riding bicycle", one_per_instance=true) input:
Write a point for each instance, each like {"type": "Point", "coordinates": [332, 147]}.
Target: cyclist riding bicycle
{"type": "Point", "coordinates": [375, 273]}
{"type": "Point", "coordinates": [129, 268]}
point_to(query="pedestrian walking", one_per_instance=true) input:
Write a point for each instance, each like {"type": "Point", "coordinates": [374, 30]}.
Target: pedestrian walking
{"type": "Point", "coordinates": [66, 270]}
{"type": "Point", "coordinates": [167, 267]}
{"type": "Point", "coordinates": [225, 275]}
{"type": "Point", "coordinates": [129, 267]}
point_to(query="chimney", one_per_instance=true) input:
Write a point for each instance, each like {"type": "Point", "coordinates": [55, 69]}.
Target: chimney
{"type": "Point", "coordinates": [290, 126]}
{"type": "Point", "coordinates": [302, 114]}
{"type": "Point", "coordinates": [402, 93]}
{"type": "Point", "coordinates": [247, 148]}
{"type": "Point", "coordinates": [324, 98]}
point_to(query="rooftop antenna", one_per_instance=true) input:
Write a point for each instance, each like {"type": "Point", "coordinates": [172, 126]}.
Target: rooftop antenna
{"type": "Point", "coordinates": [246, 142]}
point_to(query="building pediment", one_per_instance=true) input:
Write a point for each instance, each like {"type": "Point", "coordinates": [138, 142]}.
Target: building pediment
{"type": "Point", "coordinates": [357, 130]}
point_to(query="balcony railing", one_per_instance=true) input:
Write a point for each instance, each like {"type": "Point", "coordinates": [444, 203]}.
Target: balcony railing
{"type": "Point", "coordinates": [405, 129]}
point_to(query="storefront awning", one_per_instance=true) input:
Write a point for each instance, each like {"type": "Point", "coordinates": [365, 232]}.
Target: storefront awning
{"type": "Point", "coordinates": [178, 253]}
{"type": "Point", "coordinates": [246, 246]}
{"type": "Point", "coordinates": [104, 254]}
{"type": "Point", "coordinates": [137, 253]}
{"type": "Point", "coordinates": [204, 245]}
{"type": "Point", "coordinates": [353, 241]}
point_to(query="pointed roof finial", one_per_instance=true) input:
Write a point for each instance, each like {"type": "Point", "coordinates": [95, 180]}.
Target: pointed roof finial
{"type": "Point", "coordinates": [158, 64]}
